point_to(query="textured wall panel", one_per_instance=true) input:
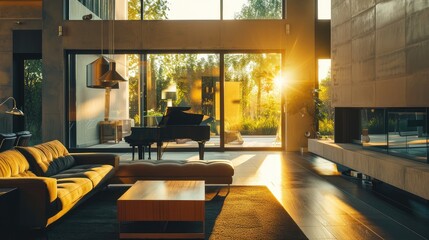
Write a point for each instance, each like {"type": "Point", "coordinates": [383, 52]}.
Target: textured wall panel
{"type": "Point", "coordinates": [341, 34]}
{"type": "Point", "coordinates": [341, 13]}
{"type": "Point", "coordinates": [391, 65]}
{"type": "Point", "coordinates": [391, 38]}
{"type": "Point", "coordinates": [363, 71]}
{"type": "Point", "coordinates": [342, 95]}
{"type": "Point", "coordinates": [417, 90]}
{"type": "Point", "coordinates": [358, 6]}
{"type": "Point", "coordinates": [343, 75]}
{"type": "Point", "coordinates": [363, 94]}
{"type": "Point", "coordinates": [343, 54]}
{"type": "Point", "coordinates": [417, 25]}
{"type": "Point", "coordinates": [363, 48]}
{"type": "Point", "coordinates": [364, 23]}
{"type": "Point", "coordinates": [417, 57]}
{"type": "Point", "coordinates": [389, 11]}
{"type": "Point", "coordinates": [416, 5]}
{"type": "Point", "coordinates": [387, 93]}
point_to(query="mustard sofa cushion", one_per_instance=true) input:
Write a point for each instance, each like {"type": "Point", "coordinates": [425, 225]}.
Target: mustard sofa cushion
{"type": "Point", "coordinates": [71, 190]}
{"type": "Point", "coordinates": [48, 159]}
{"type": "Point", "coordinates": [94, 172]}
{"type": "Point", "coordinates": [14, 164]}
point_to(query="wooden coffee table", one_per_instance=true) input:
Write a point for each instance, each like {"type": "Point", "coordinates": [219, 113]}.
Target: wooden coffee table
{"type": "Point", "coordinates": [163, 202]}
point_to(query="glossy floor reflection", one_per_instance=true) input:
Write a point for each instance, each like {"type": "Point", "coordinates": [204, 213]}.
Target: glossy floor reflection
{"type": "Point", "coordinates": [323, 203]}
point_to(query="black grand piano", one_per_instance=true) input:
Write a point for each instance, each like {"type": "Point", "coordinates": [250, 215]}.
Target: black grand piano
{"type": "Point", "coordinates": [175, 124]}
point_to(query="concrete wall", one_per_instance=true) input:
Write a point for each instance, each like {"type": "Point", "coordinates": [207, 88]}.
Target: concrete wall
{"type": "Point", "coordinates": [379, 53]}
{"type": "Point", "coordinates": [13, 18]}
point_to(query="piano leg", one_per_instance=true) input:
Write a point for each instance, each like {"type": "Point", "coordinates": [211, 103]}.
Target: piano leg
{"type": "Point", "coordinates": [201, 149]}
{"type": "Point", "coordinates": [158, 150]}
{"type": "Point", "coordinates": [134, 149]}
{"type": "Point", "coordinates": [141, 151]}
{"type": "Point", "coordinates": [149, 150]}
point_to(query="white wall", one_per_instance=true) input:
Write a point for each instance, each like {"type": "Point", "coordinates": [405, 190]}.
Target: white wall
{"type": "Point", "coordinates": [90, 102]}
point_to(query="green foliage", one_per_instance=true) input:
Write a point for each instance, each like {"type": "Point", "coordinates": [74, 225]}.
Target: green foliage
{"type": "Point", "coordinates": [376, 125]}
{"type": "Point", "coordinates": [326, 127]}
{"type": "Point", "coordinates": [155, 9]}
{"type": "Point", "coordinates": [134, 86]}
{"type": "Point", "coordinates": [260, 98]}
{"type": "Point", "coordinates": [324, 111]}
{"type": "Point", "coordinates": [260, 126]}
{"type": "Point", "coordinates": [134, 12]}
{"type": "Point", "coordinates": [33, 99]}
{"type": "Point", "coordinates": [261, 9]}
{"type": "Point", "coordinates": [257, 73]}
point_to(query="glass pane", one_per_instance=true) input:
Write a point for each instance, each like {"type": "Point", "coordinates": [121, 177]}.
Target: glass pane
{"type": "Point", "coordinates": [252, 9]}
{"type": "Point", "coordinates": [408, 134]}
{"type": "Point", "coordinates": [191, 9]}
{"type": "Point", "coordinates": [134, 86]}
{"type": "Point", "coordinates": [185, 80]}
{"type": "Point", "coordinates": [373, 131]}
{"type": "Point", "coordinates": [95, 108]}
{"type": "Point", "coordinates": [324, 9]}
{"type": "Point", "coordinates": [155, 10]}
{"type": "Point", "coordinates": [104, 10]}
{"type": "Point", "coordinates": [33, 99]}
{"type": "Point", "coordinates": [325, 109]}
{"type": "Point", "coordinates": [252, 100]}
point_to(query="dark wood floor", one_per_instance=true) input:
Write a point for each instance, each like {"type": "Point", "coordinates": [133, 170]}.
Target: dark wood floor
{"type": "Point", "coordinates": [327, 205]}
{"type": "Point", "coordinates": [324, 203]}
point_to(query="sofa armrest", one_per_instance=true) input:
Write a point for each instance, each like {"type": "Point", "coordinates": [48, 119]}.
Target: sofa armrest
{"type": "Point", "coordinates": [96, 158]}
{"type": "Point", "coordinates": [36, 195]}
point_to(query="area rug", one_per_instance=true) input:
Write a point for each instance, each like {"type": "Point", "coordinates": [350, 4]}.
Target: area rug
{"type": "Point", "coordinates": [245, 212]}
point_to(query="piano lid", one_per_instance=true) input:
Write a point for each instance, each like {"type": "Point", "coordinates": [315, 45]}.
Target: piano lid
{"type": "Point", "coordinates": [176, 116]}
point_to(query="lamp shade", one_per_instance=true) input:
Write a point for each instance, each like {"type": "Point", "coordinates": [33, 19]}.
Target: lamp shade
{"type": "Point", "coordinates": [111, 75]}
{"type": "Point", "coordinates": [95, 70]}
{"type": "Point", "coordinates": [15, 111]}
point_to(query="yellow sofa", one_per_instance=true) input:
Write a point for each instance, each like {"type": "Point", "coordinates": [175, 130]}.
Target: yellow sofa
{"type": "Point", "coordinates": [50, 180]}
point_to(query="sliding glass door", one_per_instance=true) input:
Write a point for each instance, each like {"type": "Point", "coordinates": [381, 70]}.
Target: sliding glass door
{"type": "Point", "coordinates": [184, 80]}
{"type": "Point", "coordinates": [252, 100]}
{"type": "Point", "coordinates": [238, 94]}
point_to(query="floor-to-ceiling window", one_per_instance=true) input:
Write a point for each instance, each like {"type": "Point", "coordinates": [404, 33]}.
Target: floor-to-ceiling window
{"type": "Point", "coordinates": [238, 94]}
{"type": "Point", "coordinates": [185, 80]}
{"type": "Point", "coordinates": [252, 100]}
{"type": "Point", "coordinates": [325, 111]}
{"type": "Point", "coordinates": [251, 93]}
{"type": "Point", "coordinates": [93, 107]}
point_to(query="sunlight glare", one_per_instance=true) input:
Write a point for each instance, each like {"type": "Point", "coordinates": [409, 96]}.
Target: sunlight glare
{"type": "Point", "coordinates": [278, 81]}
{"type": "Point", "coordinates": [271, 170]}
{"type": "Point", "coordinates": [201, 9]}
{"type": "Point", "coordinates": [324, 9]}
{"type": "Point", "coordinates": [87, 111]}
{"type": "Point", "coordinates": [242, 159]}
{"type": "Point", "coordinates": [231, 7]}
{"type": "Point", "coordinates": [324, 68]}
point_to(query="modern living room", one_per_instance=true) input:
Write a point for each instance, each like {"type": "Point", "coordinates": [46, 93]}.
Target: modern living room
{"type": "Point", "coordinates": [264, 169]}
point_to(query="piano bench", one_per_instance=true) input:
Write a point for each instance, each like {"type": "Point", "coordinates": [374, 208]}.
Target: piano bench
{"type": "Point", "coordinates": [211, 171]}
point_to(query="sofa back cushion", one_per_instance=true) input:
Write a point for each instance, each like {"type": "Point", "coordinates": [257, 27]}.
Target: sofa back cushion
{"type": "Point", "coordinates": [14, 164]}
{"type": "Point", "coordinates": [48, 158]}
